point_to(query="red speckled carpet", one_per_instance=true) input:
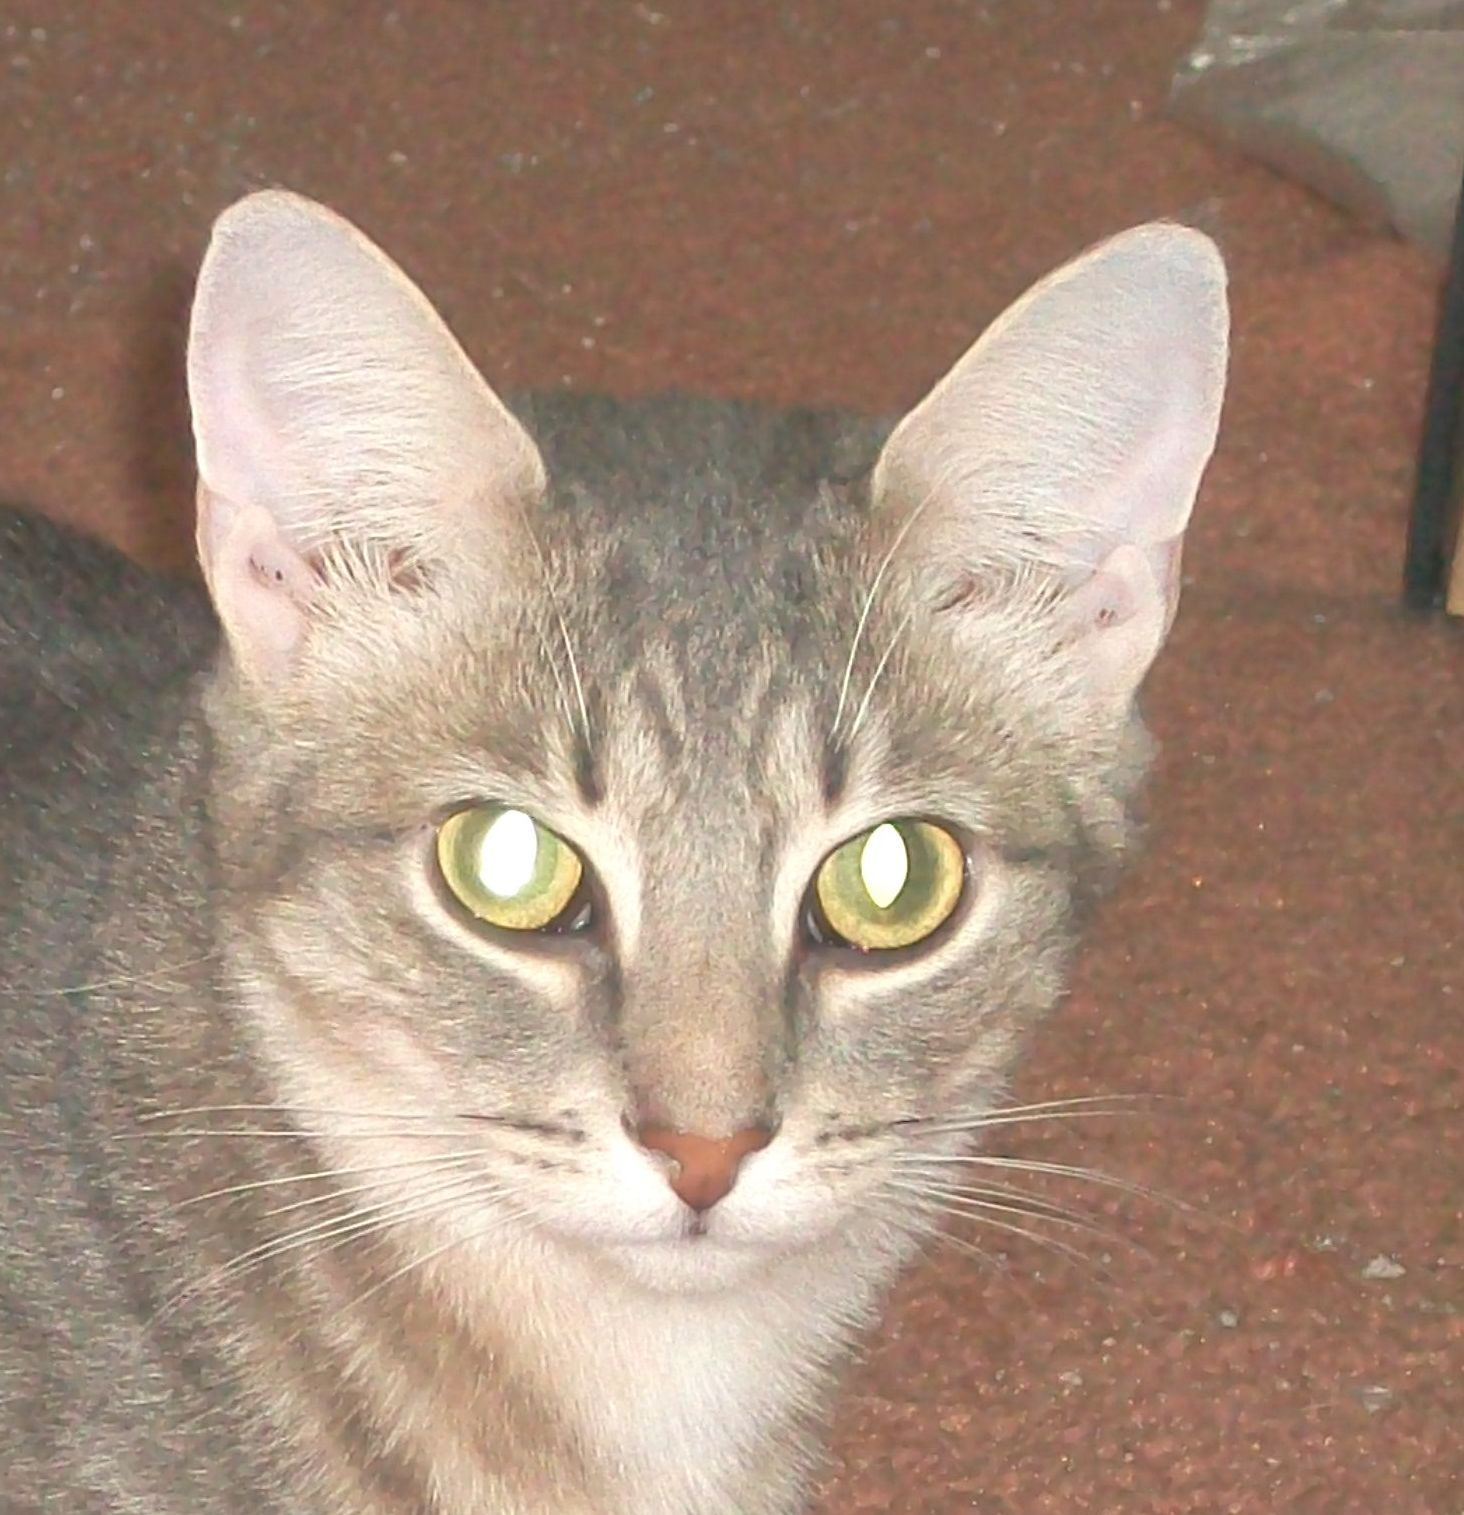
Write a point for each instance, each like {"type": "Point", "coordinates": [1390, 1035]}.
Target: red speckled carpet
{"type": "Point", "coordinates": [824, 201]}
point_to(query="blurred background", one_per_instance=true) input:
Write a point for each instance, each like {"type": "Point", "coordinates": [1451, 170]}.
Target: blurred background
{"type": "Point", "coordinates": [824, 202]}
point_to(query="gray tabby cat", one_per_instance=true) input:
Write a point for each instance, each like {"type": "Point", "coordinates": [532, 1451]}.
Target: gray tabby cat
{"type": "Point", "coordinates": [479, 1036]}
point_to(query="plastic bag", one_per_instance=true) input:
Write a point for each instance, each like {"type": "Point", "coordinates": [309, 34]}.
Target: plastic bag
{"type": "Point", "coordinates": [1363, 100]}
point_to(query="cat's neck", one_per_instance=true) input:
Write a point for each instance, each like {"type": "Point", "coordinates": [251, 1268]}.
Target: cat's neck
{"type": "Point", "coordinates": [688, 1402]}
{"type": "Point", "coordinates": [534, 1379]}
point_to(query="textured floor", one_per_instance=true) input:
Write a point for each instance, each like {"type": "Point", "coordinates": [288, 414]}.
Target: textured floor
{"type": "Point", "coordinates": [825, 201]}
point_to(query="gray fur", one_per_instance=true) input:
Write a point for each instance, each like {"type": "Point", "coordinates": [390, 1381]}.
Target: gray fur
{"type": "Point", "coordinates": [212, 900]}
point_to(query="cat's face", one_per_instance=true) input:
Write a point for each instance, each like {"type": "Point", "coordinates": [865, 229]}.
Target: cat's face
{"type": "Point", "coordinates": [698, 688]}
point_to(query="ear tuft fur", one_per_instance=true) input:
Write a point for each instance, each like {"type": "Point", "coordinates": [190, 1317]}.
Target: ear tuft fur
{"type": "Point", "coordinates": [1073, 436]}
{"type": "Point", "coordinates": [334, 415]}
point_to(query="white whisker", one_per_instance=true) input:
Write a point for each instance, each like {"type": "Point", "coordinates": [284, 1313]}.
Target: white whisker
{"type": "Point", "coordinates": [152, 1115]}
{"type": "Point", "coordinates": [352, 1219]}
{"type": "Point", "coordinates": [1011, 1202]}
{"type": "Point", "coordinates": [928, 1228]}
{"type": "Point", "coordinates": [437, 1166]}
{"type": "Point", "coordinates": [291, 1133]}
{"type": "Point", "coordinates": [1029, 1204]}
{"type": "Point", "coordinates": [990, 1122]}
{"type": "Point", "coordinates": [564, 701]}
{"type": "Point", "coordinates": [574, 673]}
{"type": "Point", "coordinates": [991, 1259]}
{"type": "Point", "coordinates": [970, 1211]}
{"type": "Point", "coordinates": [1068, 1102]}
{"type": "Point", "coordinates": [436, 1252]}
{"type": "Point", "coordinates": [868, 605]}
{"type": "Point", "coordinates": [321, 1175]}
{"type": "Point", "coordinates": [336, 1230]}
{"type": "Point", "coordinates": [1087, 1106]}
{"type": "Point", "coordinates": [874, 678]}
{"type": "Point", "coordinates": [1084, 1175]}
{"type": "Point", "coordinates": [150, 978]}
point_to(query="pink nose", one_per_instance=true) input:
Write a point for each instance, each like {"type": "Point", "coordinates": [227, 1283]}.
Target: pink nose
{"type": "Point", "coordinates": [705, 1168]}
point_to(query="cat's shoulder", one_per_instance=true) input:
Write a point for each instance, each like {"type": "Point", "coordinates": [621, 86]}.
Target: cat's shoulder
{"type": "Point", "coordinates": [79, 622]}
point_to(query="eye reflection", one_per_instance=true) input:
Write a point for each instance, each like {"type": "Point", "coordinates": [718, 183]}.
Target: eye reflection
{"type": "Point", "coordinates": [508, 869]}
{"type": "Point", "coordinates": [508, 854]}
{"type": "Point", "coordinates": [889, 887]}
{"type": "Point", "coordinates": [884, 865]}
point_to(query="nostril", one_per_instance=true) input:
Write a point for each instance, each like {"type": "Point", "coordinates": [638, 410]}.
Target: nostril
{"type": "Point", "coordinates": [705, 1168]}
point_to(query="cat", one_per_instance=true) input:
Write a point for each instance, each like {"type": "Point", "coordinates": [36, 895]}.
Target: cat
{"type": "Point", "coordinates": [494, 992]}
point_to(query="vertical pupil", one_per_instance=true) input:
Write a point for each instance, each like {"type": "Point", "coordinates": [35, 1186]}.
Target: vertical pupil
{"type": "Point", "coordinates": [508, 854]}
{"type": "Point", "coordinates": [884, 865]}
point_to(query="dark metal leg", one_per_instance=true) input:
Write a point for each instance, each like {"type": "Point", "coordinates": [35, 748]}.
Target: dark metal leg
{"type": "Point", "coordinates": [1434, 522]}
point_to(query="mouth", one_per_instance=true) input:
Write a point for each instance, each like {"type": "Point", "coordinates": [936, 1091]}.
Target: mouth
{"type": "Point", "coordinates": [696, 1228]}
{"type": "Point", "coordinates": [688, 1264]}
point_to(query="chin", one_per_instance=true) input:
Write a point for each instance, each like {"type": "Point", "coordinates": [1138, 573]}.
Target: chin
{"type": "Point", "coordinates": [688, 1265]}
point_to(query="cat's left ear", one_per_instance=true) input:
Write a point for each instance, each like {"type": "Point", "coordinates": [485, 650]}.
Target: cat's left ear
{"type": "Point", "coordinates": [331, 406]}
{"type": "Point", "coordinates": [1071, 439]}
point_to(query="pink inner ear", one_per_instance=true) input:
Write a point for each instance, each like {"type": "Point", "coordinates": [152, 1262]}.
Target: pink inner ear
{"type": "Point", "coordinates": [279, 567]}
{"type": "Point", "coordinates": [260, 584]}
{"type": "Point", "coordinates": [1117, 620]}
{"type": "Point", "coordinates": [1166, 562]}
{"type": "Point", "coordinates": [1108, 598]}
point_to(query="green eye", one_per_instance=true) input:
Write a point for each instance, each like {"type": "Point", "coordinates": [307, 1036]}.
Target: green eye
{"type": "Point", "coordinates": [891, 886]}
{"type": "Point", "coordinates": [506, 868]}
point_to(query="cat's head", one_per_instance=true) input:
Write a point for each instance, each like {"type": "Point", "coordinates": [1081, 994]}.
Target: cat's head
{"type": "Point", "coordinates": [671, 812]}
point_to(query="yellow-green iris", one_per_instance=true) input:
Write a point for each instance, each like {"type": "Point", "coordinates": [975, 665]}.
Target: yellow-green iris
{"type": "Point", "coordinates": [891, 886]}
{"type": "Point", "coordinates": [506, 868]}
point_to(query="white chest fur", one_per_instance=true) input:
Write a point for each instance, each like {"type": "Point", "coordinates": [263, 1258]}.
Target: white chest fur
{"type": "Point", "coordinates": [686, 1400]}
{"type": "Point", "coordinates": [689, 1404]}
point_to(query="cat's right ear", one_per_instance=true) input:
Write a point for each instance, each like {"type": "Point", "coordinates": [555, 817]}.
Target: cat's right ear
{"type": "Point", "coordinates": [1071, 440]}
{"type": "Point", "coordinates": [331, 406]}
